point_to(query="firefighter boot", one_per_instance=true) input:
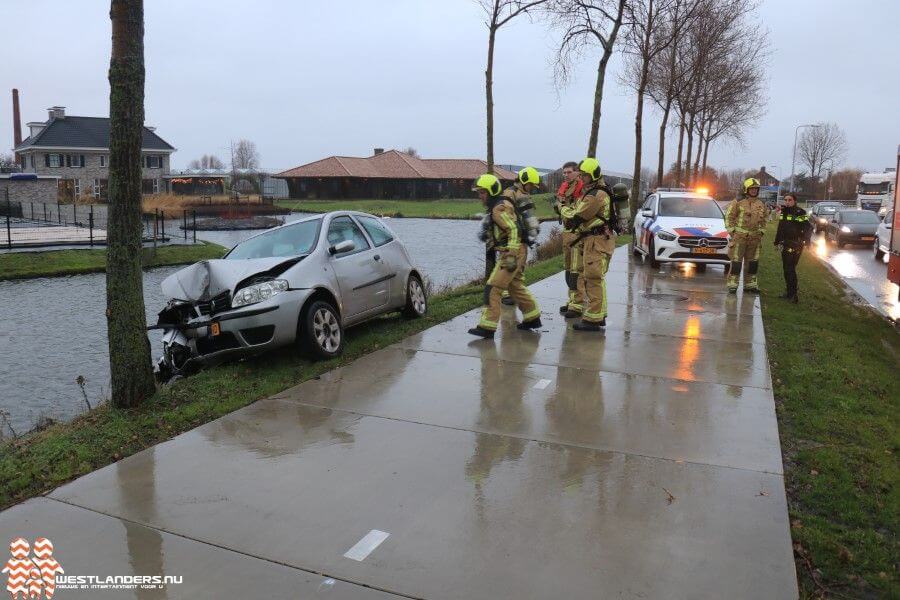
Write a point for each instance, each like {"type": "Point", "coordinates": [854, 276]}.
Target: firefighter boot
{"type": "Point", "coordinates": [734, 276]}
{"type": "Point", "coordinates": [534, 323]}
{"type": "Point", "coordinates": [482, 332]}
{"type": "Point", "coordinates": [590, 325]}
{"type": "Point", "coordinates": [750, 282]}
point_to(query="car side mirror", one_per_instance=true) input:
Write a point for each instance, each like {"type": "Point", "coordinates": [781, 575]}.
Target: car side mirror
{"type": "Point", "coordinates": [646, 212]}
{"type": "Point", "coordinates": [342, 247]}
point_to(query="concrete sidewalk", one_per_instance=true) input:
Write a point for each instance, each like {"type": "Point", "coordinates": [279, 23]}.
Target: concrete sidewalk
{"type": "Point", "coordinates": [639, 463]}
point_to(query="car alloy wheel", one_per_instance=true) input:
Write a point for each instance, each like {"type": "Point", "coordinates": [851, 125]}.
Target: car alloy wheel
{"type": "Point", "coordinates": [326, 330]}
{"type": "Point", "coordinates": [416, 300]}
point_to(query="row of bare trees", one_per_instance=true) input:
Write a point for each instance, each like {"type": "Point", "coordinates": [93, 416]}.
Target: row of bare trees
{"type": "Point", "coordinates": [700, 62]}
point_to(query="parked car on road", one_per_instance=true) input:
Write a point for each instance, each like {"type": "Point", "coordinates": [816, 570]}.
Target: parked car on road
{"type": "Point", "coordinates": [822, 213]}
{"type": "Point", "coordinates": [882, 243]}
{"type": "Point", "coordinates": [300, 283]}
{"type": "Point", "coordinates": [680, 226]}
{"type": "Point", "coordinates": [852, 226]}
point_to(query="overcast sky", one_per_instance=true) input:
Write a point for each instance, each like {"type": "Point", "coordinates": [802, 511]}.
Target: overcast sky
{"type": "Point", "coordinates": [306, 79]}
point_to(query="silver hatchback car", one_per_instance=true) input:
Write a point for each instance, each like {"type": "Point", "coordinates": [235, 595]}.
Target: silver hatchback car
{"type": "Point", "coordinates": [300, 283]}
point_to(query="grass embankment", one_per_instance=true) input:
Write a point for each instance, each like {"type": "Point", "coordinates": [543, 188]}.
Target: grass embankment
{"type": "Point", "coordinates": [26, 265]}
{"type": "Point", "coordinates": [425, 209]}
{"type": "Point", "coordinates": [41, 461]}
{"type": "Point", "coordinates": [836, 377]}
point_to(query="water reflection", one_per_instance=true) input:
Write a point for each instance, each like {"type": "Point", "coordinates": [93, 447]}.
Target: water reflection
{"type": "Point", "coordinates": [275, 428]}
{"type": "Point", "coordinates": [144, 544]}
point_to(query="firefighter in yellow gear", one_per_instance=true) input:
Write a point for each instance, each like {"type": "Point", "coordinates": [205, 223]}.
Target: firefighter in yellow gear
{"type": "Point", "coordinates": [527, 181]}
{"type": "Point", "coordinates": [509, 272]}
{"type": "Point", "coordinates": [590, 218]}
{"type": "Point", "coordinates": [745, 220]}
{"type": "Point", "coordinates": [566, 196]}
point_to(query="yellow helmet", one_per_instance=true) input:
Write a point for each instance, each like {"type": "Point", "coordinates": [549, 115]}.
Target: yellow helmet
{"type": "Point", "coordinates": [487, 182]}
{"type": "Point", "coordinates": [591, 166]}
{"type": "Point", "coordinates": [529, 175]}
{"type": "Point", "coordinates": [750, 182]}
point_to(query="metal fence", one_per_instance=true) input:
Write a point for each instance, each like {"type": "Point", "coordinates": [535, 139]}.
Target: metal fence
{"type": "Point", "coordinates": [39, 224]}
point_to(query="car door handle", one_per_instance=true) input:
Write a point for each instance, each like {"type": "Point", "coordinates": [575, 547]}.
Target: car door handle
{"type": "Point", "coordinates": [377, 257]}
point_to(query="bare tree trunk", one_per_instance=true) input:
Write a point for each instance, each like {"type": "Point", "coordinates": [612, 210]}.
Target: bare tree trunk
{"type": "Point", "coordinates": [131, 374]}
{"type": "Point", "coordinates": [662, 143]}
{"type": "Point", "coordinates": [489, 98]}
{"type": "Point", "coordinates": [706, 148]}
{"type": "Point", "coordinates": [638, 131]}
{"type": "Point", "coordinates": [601, 77]}
{"type": "Point", "coordinates": [680, 148]}
{"type": "Point", "coordinates": [700, 142]}
{"type": "Point", "coordinates": [690, 149]}
{"type": "Point", "coordinates": [598, 102]}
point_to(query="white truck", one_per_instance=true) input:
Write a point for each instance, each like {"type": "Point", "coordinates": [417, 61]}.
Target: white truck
{"type": "Point", "coordinates": [875, 191]}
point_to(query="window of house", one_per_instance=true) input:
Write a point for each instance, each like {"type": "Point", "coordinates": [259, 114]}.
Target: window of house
{"type": "Point", "coordinates": [154, 161]}
{"type": "Point", "coordinates": [77, 188]}
{"type": "Point", "coordinates": [54, 160]}
{"type": "Point", "coordinates": [146, 186]}
{"type": "Point", "coordinates": [31, 160]}
{"type": "Point", "coordinates": [100, 186]}
{"type": "Point", "coordinates": [102, 160]}
{"type": "Point", "coordinates": [156, 186]}
{"type": "Point", "coordinates": [75, 161]}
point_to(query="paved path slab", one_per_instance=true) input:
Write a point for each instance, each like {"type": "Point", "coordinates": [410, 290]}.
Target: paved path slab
{"type": "Point", "coordinates": [639, 463]}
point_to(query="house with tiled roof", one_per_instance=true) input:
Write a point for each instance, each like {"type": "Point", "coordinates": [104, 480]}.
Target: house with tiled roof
{"type": "Point", "coordinates": [387, 175]}
{"type": "Point", "coordinates": [76, 151]}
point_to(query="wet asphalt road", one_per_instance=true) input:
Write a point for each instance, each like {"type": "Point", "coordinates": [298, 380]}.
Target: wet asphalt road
{"type": "Point", "coordinates": [857, 266]}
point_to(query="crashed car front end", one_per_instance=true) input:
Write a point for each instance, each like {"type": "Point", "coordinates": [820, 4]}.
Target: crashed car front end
{"type": "Point", "coordinates": [221, 309]}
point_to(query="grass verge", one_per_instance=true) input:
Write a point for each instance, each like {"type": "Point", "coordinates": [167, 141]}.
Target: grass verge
{"type": "Point", "coordinates": [36, 463]}
{"type": "Point", "coordinates": [426, 209]}
{"type": "Point", "coordinates": [53, 263]}
{"type": "Point", "coordinates": [836, 377]}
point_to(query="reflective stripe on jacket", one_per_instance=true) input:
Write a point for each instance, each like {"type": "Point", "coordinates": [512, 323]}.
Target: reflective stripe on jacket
{"type": "Point", "coordinates": [746, 215]}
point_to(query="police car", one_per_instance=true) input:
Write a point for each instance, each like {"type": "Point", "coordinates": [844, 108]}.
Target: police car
{"type": "Point", "coordinates": [679, 225]}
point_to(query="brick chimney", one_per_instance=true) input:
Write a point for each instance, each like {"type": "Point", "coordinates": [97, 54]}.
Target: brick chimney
{"type": "Point", "coordinates": [56, 112]}
{"type": "Point", "coordinates": [17, 119]}
{"type": "Point", "coordinates": [378, 151]}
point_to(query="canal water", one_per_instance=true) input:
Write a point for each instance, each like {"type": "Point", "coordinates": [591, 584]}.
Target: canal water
{"type": "Point", "coordinates": [54, 330]}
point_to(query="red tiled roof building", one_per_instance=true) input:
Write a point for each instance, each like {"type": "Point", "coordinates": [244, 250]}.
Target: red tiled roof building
{"type": "Point", "coordinates": [387, 175]}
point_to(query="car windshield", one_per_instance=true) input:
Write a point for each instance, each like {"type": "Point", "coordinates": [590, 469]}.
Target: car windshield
{"type": "Point", "coordinates": [864, 217]}
{"type": "Point", "coordinates": [292, 240]}
{"type": "Point", "coordinates": [827, 210]}
{"type": "Point", "coordinates": [701, 208]}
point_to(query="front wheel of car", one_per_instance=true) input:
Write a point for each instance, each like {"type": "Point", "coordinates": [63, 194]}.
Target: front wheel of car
{"type": "Point", "coordinates": [876, 251]}
{"type": "Point", "coordinates": [321, 333]}
{"type": "Point", "coordinates": [651, 255]}
{"type": "Point", "coordinates": [416, 300]}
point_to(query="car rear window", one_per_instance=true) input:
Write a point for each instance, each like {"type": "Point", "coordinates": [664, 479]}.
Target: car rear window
{"type": "Point", "coordinates": [700, 208]}
{"type": "Point", "coordinates": [291, 240]}
{"type": "Point", "coordinates": [862, 217]}
{"type": "Point", "coordinates": [377, 231]}
{"type": "Point", "coordinates": [826, 210]}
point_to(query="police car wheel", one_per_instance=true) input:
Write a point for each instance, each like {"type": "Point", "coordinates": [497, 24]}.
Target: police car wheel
{"type": "Point", "coordinates": [651, 255]}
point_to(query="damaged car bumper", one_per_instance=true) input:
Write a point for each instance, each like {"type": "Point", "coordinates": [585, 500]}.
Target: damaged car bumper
{"type": "Point", "coordinates": [208, 339]}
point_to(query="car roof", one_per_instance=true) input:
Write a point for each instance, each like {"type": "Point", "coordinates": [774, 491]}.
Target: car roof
{"type": "Point", "coordinates": [683, 195]}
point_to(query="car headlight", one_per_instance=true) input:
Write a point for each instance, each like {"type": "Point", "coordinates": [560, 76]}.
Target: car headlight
{"type": "Point", "coordinates": [258, 292]}
{"type": "Point", "coordinates": [846, 229]}
{"type": "Point", "coordinates": [665, 235]}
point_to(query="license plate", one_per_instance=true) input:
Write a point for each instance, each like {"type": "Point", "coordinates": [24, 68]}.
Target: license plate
{"type": "Point", "coordinates": [867, 238]}
{"type": "Point", "coordinates": [703, 250]}
{"type": "Point", "coordinates": [214, 329]}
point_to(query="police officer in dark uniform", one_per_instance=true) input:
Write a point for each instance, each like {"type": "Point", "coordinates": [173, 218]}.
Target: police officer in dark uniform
{"type": "Point", "coordinates": [794, 232]}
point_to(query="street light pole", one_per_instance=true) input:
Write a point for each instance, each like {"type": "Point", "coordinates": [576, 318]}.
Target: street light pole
{"type": "Point", "coordinates": [794, 155]}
